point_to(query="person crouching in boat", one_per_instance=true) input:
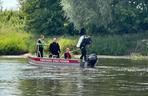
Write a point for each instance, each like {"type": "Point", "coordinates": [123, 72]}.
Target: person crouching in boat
{"type": "Point", "coordinates": [67, 54]}
{"type": "Point", "coordinates": [40, 46]}
{"type": "Point", "coordinates": [54, 49]}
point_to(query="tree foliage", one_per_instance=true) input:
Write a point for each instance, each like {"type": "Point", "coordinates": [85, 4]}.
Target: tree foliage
{"type": "Point", "coordinates": [44, 16]}
{"type": "Point", "coordinates": [98, 16]}
{"type": "Point", "coordinates": [85, 13]}
{"type": "Point", "coordinates": [129, 16]}
{"type": "Point", "coordinates": [108, 16]}
{"type": "Point", "coordinates": [11, 18]}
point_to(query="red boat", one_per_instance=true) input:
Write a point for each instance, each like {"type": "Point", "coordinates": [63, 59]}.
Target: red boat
{"type": "Point", "coordinates": [53, 61]}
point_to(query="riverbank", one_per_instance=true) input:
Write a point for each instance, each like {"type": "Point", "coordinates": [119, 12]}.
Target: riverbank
{"type": "Point", "coordinates": [114, 45]}
{"type": "Point", "coordinates": [16, 56]}
{"type": "Point", "coordinates": [77, 56]}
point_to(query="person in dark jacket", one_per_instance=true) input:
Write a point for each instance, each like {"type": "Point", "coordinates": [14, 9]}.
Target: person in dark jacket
{"type": "Point", "coordinates": [40, 46]}
{"type": "Point", "coordinates": [54, 48]}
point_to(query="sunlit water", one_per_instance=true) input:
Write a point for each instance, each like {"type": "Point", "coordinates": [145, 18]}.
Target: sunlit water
{"type": "Point", "coordinates": [111, 77]}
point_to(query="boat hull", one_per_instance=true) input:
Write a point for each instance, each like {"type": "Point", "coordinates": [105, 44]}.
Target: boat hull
{"type": "Point", "coordinates": [53, 61]}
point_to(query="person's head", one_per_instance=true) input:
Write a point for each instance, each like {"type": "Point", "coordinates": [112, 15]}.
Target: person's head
{"type": "Point", "coordinates": [67, 49]}
{"type": "Point", "coordinates": [54, 39]}
{"type": "Point", "coordinates": [82, 31]}
{"type": "Point", "coordinates": [42, 36]}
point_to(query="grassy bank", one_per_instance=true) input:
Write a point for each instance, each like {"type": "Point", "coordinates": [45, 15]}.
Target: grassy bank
{"type": "Point", "coordinates": [13, 43]}
{"type": "Point", "coordinates": [109, 44]}
{"type": "Point", "coordinates": [120, 44]}
{"type": "Point", "coordinates": [21, 42]}
{"type": "Point", "coordinates": [13, 39]}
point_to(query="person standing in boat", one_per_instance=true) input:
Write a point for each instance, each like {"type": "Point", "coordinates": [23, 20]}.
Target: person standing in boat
{"type": "Point", "coordinates": [54, 49]}
{"type": "Point", "coordinates": [82, 43]}
{"type": "Point", "coordinates": [82, 46]}
{"type": "Point", "coordinates": [40, 46]}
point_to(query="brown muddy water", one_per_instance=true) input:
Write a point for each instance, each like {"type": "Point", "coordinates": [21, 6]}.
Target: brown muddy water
{"type": "Point", "coordinates": [111, 77]}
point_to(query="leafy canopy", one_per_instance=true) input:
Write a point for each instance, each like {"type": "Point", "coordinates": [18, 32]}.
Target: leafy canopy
{"type": "Point", "coordinates": [88, 12]}
{"type": "Point", "coordinates": [43, 16]}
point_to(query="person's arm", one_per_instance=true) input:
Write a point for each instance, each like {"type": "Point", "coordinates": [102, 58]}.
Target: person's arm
{"type": "Point", "coordinates": [70, 56]}
{"type": "Point", "coordinates": [38, 42]}
{"type": "Point", "coordinates": [65, 55]}
{"type": "Point", "coordinates": [58, 47]}
{"type": "Point", "coordinates": [50, 48]}
{"type": "Point", "coordinates": [80, 41]}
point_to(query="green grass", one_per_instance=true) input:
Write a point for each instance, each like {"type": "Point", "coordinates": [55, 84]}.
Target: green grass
{"type": "Point", "coordinates": [136, 56]}
{"type": "Point", "coordinates": [106, 45]}
{"type": "Point", "coordinates": [68, 42]}
{"type": "Point", "coordinates": [13, 40]}
{"type": "Point", "coordinates": [120, 44]}
{"type": "Point", "coordinates": [64, 42]}
{"type": "Point", "coordinates": [13, 43]}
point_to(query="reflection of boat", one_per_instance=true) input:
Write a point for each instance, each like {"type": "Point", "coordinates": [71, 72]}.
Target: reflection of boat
{"type": "Point", "coordinates": [53, 61]}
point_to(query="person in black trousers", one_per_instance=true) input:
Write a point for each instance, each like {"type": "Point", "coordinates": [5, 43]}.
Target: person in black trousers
{"type": "Point", "coordinates": [81, 45]}
{"type": "Point", "coordinates": [40, 46]}
{"type": "Point", "coordinates": [54, 49]}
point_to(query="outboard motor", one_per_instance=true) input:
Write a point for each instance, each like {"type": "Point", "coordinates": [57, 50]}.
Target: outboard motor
{"type": "Point", "coordinates": [91, 60]}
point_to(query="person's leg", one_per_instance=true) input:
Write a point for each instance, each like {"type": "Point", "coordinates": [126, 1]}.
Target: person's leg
{"type": "Point", "coordinates": [41, 51]}
{"type": "Point", "coordinates": [50, 55]}
{"type": "Point", "coordinates": [38, 53]}
{"type": "Point", "coordinates": [81, 57]}
{"type": "Point", "coordinates": [83, 52]}
{"type": "Point", "coordinates": [58, 56]}
{"type": "Point", "coordinates": [42, 54]}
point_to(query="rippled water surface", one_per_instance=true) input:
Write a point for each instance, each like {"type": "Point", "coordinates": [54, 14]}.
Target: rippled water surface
{"type": "Point", "coordinates": [111, 77]}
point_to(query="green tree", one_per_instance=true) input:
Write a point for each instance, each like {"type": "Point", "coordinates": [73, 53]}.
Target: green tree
{"type": "Point", "coordinates": [88, 13]}
{"type": "Point", "coordinates": [44, 16]}
{"type": "Point", "coordinates": [111, 16]}
{"type": "Point", "coordinates": [129, 16]}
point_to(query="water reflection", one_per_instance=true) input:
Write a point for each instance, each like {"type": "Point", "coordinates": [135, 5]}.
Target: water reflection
{"type": "Point", "coordinates": [110, 78]}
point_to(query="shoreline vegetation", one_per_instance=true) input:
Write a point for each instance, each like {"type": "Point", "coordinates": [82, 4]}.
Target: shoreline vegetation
{"type": "Point", "coordinates": [127, 35]}
{"type": "Point", "coordinates": [16, 43]}
{"type": "Point", "coordinates": [134, 45]}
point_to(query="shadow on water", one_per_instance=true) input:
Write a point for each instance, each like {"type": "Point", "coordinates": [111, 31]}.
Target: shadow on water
{"type": "Point", "coordinates": [111, 77]}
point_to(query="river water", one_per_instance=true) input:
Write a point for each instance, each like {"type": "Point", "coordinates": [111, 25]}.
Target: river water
{"type": "Point", "coordinates": [111, 77]}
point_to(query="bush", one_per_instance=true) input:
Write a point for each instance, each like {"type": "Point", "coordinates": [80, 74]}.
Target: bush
{"type": "Point", "coordinates": [19, 42]}
{"type": "Point", "coordinates": [69, 42]}
{"type": "Point", "coordinates": [119, 44]}
{"type": "Point", "coordinates": [108, 45]}
{"type": "Point", "coordinates": [13, 43]}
